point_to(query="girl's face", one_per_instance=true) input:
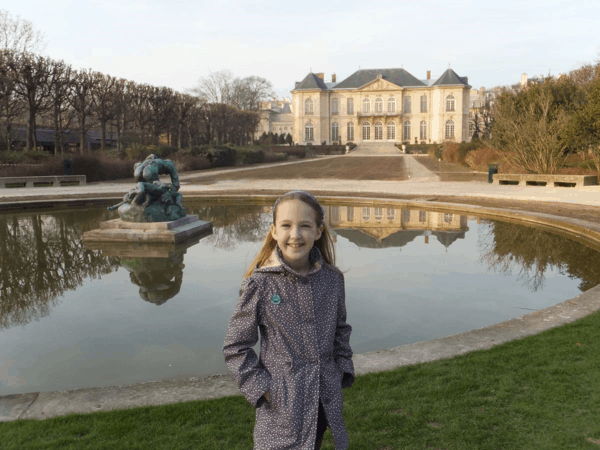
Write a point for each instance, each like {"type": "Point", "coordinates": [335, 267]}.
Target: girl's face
{"type": "Point", "coordinates": [295, 232]}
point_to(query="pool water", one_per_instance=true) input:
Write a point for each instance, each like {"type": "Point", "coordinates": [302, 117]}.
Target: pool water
{"type": "Point", "coordinates": [74, 317]}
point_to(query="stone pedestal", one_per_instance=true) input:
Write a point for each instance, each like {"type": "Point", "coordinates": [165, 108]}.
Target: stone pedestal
{"type": "Point", "coordinates": [174, 232]}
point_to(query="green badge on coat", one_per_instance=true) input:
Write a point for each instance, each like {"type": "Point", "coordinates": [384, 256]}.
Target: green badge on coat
{"type": "Point", "coordinates": [276, 299]}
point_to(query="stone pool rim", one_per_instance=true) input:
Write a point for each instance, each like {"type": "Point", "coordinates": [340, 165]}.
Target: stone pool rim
{"type": "Point", "coordinates": [40, 405]}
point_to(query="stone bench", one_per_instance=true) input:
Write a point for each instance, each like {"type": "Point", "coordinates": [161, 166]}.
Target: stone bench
{"type": "Point", "coordinates": [544, 180]}
{"type": "Point", "coordinates": [59, 180]}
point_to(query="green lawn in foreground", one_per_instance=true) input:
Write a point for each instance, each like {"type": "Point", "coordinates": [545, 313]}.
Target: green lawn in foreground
{"type": "Point", "coordinates": [540, 392]}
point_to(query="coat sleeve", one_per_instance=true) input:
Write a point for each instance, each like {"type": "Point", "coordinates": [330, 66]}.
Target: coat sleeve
{"type": "Point", "coordinates": [341, 346]}
{"type": "Point", "coordinates": [242, 334]}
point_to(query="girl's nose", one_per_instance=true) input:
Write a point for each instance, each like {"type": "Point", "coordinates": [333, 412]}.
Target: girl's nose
{"type": "Point", "coordinates": [295, 231]}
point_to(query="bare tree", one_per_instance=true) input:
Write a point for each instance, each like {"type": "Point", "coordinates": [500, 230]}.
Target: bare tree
{"type": "Point", "coordinates": [104, 92]}
{"type": "Point", "coordinates": [161, 103]}
{"type": "Point", "coordinates": [528, 126]}
{"type": "Point", "coordinates": [32, 76]}
{"type": "Point", "coordinates": [82, 102]}
{"type": "Point", "coordinates": [182, 108]}
{"type": "Point", "coordinates": [11, 105]}
{"type": "Point", "coordinates": [61, 83]}
{"type": "Point", "coordinates": [18, 35]}
{"type": "Point", "coordinates": [216, 87]}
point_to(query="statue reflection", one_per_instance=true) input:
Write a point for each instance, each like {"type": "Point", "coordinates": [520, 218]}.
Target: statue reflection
{"type": "Point", "coordinates": [157, 269]}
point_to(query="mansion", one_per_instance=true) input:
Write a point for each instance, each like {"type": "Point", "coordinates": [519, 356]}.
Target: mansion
{"type": "Point", "coordinates": [381, 105]}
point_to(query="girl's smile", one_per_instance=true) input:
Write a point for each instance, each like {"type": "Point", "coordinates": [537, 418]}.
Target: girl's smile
{"type": "Point", "coordinates": [295, 232]}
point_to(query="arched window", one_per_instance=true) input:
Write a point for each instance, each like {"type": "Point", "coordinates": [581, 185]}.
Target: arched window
{"type": "Point", "coordinates": [378, 214]}
{"type": "Point", "coordinates": [450, 103]}
{"type": "Point", "coordinates": [448, 217]}
{"type": "Point", "coordinates": [366, 213]}
{"type": "Point", "coordinates": [308, 132]}
{"type": "Point", "coordinates": [350, 136]}
{"type": "Point", "coordinates": [334, 106]}
{"type": "Point", "coordinates": [391, 131]}
{"type": "Point", "coordinates": [350, 106]}
{"type": "Point", "coordinates": [379, 105]}
{"type": "Point", "coordinates": [423, 103]}
{"type": "Point", "coordinates": [391, 105]}
{"type": "Point", "coordinates": [378, 131]}
{"type": "Point", "coordinates": [366, 106]}
{"type": "Point", "coordinates": [366, 131]}
{"type": "Point", "coordinates": [406, 130]}
{"type": "Point", "coordinates": [335, 131]}
{"type": "Point", "coordinates": [423, 133]}
{"type": "Point", "coordinates": [449, 129]}
{"type": "Point", "coordinates": [407, 104]}
{"type": "Point", "coordinates": [391, 213]}
{"type": "Point", "coordinates": [308, 106]}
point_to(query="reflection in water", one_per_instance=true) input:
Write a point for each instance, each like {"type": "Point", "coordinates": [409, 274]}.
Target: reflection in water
{"type": "Point", "coordinates": [42, 256]}
{"type": "Point", "coordinates": [159, 279]}
{"type": "Point", "coordinates": [157, 268]}
{"type": "Point", "coordinates": [507, 247]}
{"type": "Point", "coordinates": [233, 223]}
{"type": "Point", "coordinates": [377, 227]}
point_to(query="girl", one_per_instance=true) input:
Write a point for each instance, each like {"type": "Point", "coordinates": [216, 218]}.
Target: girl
{"type": "Point", "coordinates": [295, 295]}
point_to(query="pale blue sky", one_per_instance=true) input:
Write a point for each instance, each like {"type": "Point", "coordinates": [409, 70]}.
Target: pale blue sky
{"type": "Point", "coordinates": [173, 43]}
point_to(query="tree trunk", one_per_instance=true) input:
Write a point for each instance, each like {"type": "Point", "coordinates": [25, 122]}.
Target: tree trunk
{"type": "Point", "coordinates": [103, 137]}
{"type": "Point", "coordinates": [179, 136]}
{"type": "Point", "coordinates": [31, 133]}
{"type": "Point", "coordinates": [82, 140]}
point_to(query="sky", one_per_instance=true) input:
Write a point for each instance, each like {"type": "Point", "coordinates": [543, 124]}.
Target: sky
{"type": "Point", "coordinates": [174, 43]}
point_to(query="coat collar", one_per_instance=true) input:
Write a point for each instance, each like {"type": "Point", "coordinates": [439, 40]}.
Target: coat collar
{"type": "Point", "coordinates": [314, 257]}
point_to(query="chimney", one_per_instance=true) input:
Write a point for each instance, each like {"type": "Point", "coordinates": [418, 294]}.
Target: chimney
{"type": "Point", "coordinates": [333, 78]}
{"type": "Point", "coordinates": [321, 75]}
{"type": "Point", "coordinates": [429, 74]}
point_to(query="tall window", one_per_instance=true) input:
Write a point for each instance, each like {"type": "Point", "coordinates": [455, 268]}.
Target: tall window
{"type": "Point", "coordinates": [350, 131]}
{"type": "Point", "coordinates": [448, 217]}
{"type": "Point", "coordinates": [349, 213]}
{"type": "Point", "coordinates": [450, 129]}
{"type": "Point", "coordinates": [391, 131]}
{"type": "Point", "coordinates": [391, 213]}
{"type": "Point", "coordinates": [350, 106]}
{"type": "Point", "coordinates": [366, 106]}
{"type": "Point", "coordinates": [378, 131]}
{"type": "Point", "coordinates": [406, 130]}
{"type": "Point", "coordinates": [423, 134]}
{"type": "Point", "coordinates": [335, 131]}
{"type": "Point", "coordinates": [406, 104]}
{"type": "Point", "coordinates": [378, 214]}
{"type": "Point", "coordinates": [335, 213]}
{"type": "Point", "coordinates": [379, 105]}
{"type": "Point", "coordinates": [450, 103]}
{"type": "Point", "coordinates": [366, 213]}
{"type": "Point", "coordinates": [391, 105]}
{"type": "Point", "coordinates": [405, 215]}
{"type": "Point", "coordinates": [308, 106]}
{"type": "Point", "coordinates": [422, 216]}
{"type": "Point", "coordinates": [366, 128]}
{"type": "Point", "coordinates": [308, 132]}
{"type": "Point", "coordinates": [334, 106]}
{"type": "Point", "coordinates": [423, 103]}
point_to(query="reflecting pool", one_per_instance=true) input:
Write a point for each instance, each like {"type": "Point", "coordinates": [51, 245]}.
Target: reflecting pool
{"type": "Point", "coordinates": [74, 317]}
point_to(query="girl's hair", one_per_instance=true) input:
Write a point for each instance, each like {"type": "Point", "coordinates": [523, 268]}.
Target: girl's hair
{"type": "Point", "coordinates": [324, 243]}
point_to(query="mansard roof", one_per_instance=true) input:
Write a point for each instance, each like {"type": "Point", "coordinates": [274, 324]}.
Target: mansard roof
{"type": "Point", "coordinates": [450, 78]}
{"type": "Point", "coordinates": [311, 82]}
{"type": "Point", "coordinates": [399, 77]}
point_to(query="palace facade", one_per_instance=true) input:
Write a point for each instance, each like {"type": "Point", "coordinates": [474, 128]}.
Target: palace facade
{"type": "Point", "coordinates": [381, 105]}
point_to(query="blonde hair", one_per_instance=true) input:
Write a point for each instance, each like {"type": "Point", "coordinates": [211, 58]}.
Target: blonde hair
{"type": "Point", "coordinates": [324, 243]}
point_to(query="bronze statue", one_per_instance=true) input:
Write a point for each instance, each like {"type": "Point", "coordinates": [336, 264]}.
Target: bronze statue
{"type": "Point", "coordinates": [152, 200]}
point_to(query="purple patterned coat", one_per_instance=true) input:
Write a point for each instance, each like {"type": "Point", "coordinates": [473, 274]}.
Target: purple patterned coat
{"type": "Point", "coordinates": [304, 352]}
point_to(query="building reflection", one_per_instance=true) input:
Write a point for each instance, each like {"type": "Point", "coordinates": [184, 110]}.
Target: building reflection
{"type": "Point", "coordinates": [380, 227]}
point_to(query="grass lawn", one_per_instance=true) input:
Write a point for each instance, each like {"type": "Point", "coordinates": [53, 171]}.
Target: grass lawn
{"type": "Point", "coordinates": [541, 392]}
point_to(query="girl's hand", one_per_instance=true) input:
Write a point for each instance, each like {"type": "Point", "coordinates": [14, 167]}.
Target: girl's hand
{"type": "Point", "coordinates": [267, 396]}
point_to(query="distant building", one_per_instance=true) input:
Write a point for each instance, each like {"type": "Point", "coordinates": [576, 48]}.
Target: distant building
{"type": "Point", "coordinates": [381, 105]}
{"type": "Point", "coordinates": [276, 117]}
